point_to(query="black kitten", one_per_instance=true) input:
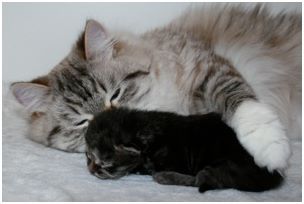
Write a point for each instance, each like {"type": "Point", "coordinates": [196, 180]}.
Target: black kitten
{"type": "Point", "coordinates": [197, 150]}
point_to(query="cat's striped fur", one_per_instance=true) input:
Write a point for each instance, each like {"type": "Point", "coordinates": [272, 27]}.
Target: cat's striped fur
{"type": "Point", "coordinates": [210, 59]}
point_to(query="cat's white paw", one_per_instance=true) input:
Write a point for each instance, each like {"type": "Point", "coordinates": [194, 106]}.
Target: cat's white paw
{"type": "Point", "coordinates": [260, 131]}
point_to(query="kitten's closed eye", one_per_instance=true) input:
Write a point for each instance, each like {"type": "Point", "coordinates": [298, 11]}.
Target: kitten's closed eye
{"type": "Point", "coordinates": [106, 164]}
{"type": "Point", "coordinates": [121, 148]}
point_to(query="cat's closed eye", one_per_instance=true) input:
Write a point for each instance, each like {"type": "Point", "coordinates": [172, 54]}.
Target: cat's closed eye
{"type": "Point", "coordinates": [81, 122]}
{"type": "Point", "coordinates": [115, 95]}
{"type": "Point", "coordinates": [84, 122]}
{"type": "Point", "coordinates": [135, 74]}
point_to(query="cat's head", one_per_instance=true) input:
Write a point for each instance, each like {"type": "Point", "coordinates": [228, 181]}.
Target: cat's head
{"type": "Point", "coordinates": [112, 150]}
{"type": "Point", "coordinates": [102, 71]}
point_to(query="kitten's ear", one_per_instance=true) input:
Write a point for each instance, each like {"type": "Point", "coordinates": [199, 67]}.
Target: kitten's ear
{"type": "Point", "coordinates": [95, 39]}
{"type": "Point", "coordinates": [32, 96]}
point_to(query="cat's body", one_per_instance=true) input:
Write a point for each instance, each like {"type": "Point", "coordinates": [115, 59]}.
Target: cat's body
{"type": "Point", "coordinates": [195, 150]}
{"type": "Point", "coordinates": [222, 60]}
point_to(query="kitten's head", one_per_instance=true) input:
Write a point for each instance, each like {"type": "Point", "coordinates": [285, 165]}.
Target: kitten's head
{"type": "Point", "coordinates": [101, 71]}
{"type": "Point", "coordinates": [112, 151]}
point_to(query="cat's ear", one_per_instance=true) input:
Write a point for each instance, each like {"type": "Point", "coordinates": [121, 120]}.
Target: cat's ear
{"type": "Point", "coordinates": [95, 39]}
{"type": "Point", "coordinates": [32, 96]}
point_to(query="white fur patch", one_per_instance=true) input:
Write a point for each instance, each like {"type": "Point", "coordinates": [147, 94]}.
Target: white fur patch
{"type": "Point", "coordinates": [275, 81]}
{"type": "Point", "coordinates": [261, 133]}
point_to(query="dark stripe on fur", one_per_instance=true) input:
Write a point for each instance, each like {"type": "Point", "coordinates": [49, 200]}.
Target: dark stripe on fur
{"type": "Point", "coordinates": [223, 88]}
{"type": "Point", "coordinates": [210, 73]}
{"type": "Point", "coordinates": [68, 100]}
{"type": "Point", "coordinates": [233, 86]}
{"type": "Point", "coordinates": [129, 93]}
{"type": "Point", "coordinates": [73, 109]}
{"type": "Point", "coordinates": [102, 86]}
{"type": "Point", "coordinates": [234, 99]}
{"type": "Point", "coordinates": [138, 99]}
{"type": "Point", "coordinates": [53, 132]}
{"type": "Point", "coordinates": [60, 85]}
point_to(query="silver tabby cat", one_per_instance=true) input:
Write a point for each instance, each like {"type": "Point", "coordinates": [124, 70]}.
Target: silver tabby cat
{"type": "Point", "coordinates": [244, 65]}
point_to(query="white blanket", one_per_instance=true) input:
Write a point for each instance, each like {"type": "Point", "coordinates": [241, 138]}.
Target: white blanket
{"type": "Point", "coordinates": [32, 172]}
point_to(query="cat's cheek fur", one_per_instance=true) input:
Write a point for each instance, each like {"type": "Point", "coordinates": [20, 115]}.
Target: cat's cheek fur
{"type": "Point", "coordinates": [64, 144]}
{"type": "Point", "coordinates": [39, 130]}
{"type": "Point", "coordinates": [260, 131]}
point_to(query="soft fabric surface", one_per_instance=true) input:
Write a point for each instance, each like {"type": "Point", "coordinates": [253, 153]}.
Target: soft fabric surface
{"type": "Point", "coordinates": [32, 172]}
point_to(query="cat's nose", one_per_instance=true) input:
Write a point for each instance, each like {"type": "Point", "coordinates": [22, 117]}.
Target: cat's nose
{"type": "Point", "coordinates": [110, 105]}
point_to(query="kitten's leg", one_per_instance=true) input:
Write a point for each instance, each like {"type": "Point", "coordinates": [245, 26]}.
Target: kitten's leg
{"type": "Point", "coordinates": [173, 178]}
{"type": "Point", "coordinates": [257, 126]}
{"type": "Point", "coordinates": [246, 177]}
{"type": "Point", "coordinates": [208, 179]}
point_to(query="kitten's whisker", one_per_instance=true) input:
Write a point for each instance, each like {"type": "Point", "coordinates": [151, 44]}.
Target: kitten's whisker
{"type": "Point", "coordinates": [106, 165]}
{"type": "Point", "coordinates": [107, 173]}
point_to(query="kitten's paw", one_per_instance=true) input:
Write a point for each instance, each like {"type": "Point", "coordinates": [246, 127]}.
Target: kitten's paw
{"type": "Point", "coordinates": [260, 131]}
{"type": "Point", "coordinates": [161, 177]}
{"type": "Point", "coordinates": [173, 178]}
{"type": "Point", "coordinates": [205, 187]}
{"type": "Point", "coordinates": [206, 179]}
{"type": "Point", "coordinates": [202, 176]}
{"type": "Point", "coordinates": [165, 177]}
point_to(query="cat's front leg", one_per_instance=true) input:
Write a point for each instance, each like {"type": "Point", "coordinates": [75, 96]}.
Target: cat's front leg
{"type": "Point", "coordinates": [260, 131]}
{"type": "Point", "coordinates": [173, 178]}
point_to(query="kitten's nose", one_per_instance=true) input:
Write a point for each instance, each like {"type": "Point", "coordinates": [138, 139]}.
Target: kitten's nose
{"type": "Point", "coordinates": [93, 167]}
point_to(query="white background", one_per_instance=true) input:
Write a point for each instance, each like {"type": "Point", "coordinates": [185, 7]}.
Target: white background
{"type": "Point", "coordinates": [36, 36]}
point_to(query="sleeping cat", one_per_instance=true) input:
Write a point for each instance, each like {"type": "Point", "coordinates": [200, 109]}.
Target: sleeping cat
{"type": "Point", "coordinates": [195, 150]}
{"type": "Point", "coordinates": [243, 65]}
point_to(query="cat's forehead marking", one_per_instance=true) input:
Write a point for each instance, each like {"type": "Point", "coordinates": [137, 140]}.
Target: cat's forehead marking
{"type": "Point", "coordinates": [112, 80]}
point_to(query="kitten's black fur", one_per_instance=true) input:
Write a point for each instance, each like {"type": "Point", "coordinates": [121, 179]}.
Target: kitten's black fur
{"type": "Point", "coordinates": [197, 150]}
